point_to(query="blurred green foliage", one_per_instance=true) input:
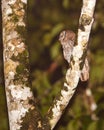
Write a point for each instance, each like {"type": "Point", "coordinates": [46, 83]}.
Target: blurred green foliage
{"type": "Point", "coordinates": [46, 18]}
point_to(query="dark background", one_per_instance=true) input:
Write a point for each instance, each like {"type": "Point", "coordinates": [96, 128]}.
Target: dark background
{"type": "Point", "coordinates": [46, 19]}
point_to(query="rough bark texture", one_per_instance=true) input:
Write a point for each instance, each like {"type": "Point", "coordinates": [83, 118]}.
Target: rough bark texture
{"type": "Point", "coordinates": [76, 63]}
{"type": "Point", "coordinates": [20, 100]}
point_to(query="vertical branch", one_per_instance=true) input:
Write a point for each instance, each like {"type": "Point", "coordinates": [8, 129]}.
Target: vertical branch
{"type": "Point", "coordinates": [76, 63]}
{"type": "Point", "coordinates": [20, 101]}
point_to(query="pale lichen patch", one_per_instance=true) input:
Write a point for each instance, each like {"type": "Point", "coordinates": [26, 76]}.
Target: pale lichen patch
{"type": "Point", "coordinates": [11, 2]}
{"type": "Point", "coordinates": [18, 113]}
{"type": "Point", "coordinates": [11, 47]}
{"type": "Point", "coordinates": [20, 23]}
{"type": "Point", "coordinates": [24, 1]}
{"type": "Point", "coordinates": [19, 92]}
{"type": "Point", "coordinates": [77, 52]}
{"type": "Point", "coordinates": [11, 74]}
{"type": "Point", "coordinates": [12, 34]}
{"type": "Point", "coordinates": [9, 11]}
{"type": "Point", "coordinates": [39, 124]}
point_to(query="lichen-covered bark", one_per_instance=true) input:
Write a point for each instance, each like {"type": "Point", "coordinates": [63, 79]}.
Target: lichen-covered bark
{"type": "Point", "coordinates": [20, 100]}
{"type": "Point", "coordinates": [76, 63]}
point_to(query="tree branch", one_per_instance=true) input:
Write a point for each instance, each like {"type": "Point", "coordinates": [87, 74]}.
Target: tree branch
{"type": "Point", "coordinates": [20, 101]}
{"type": "Point", "coordinates": [76, 63]}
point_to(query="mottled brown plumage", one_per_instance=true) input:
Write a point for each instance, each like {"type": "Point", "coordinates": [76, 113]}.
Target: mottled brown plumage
{"type": "Point", "coordinates": [67, 39]}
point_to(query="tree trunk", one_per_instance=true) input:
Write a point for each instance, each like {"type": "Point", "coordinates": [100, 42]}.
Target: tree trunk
{"type": "Point", "coordinates": [20, 101]}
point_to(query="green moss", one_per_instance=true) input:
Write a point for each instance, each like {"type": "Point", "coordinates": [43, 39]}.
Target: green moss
{"type": "Point", "coordinates": [22, 57]}
{"type": "Point", "coordinates": [31, 119]}
{"type": "Point", "coordinates": [21, 31]}
{"type": "Point", "coordinates": [85, 20]}
{"type": "Point", "coordinates": [22, 76]}
{"type": "Point", "coordinates": [20, 69]}
{"type": "Point", "coordinates": [15, 18]}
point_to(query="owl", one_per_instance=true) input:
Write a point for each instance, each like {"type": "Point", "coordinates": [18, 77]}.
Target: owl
{"type": "Point", "coordinates": [67, 39]}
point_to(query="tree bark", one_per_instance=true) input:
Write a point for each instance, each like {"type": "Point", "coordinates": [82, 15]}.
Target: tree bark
{"type": "Point", "coordinates": [20, 101]}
